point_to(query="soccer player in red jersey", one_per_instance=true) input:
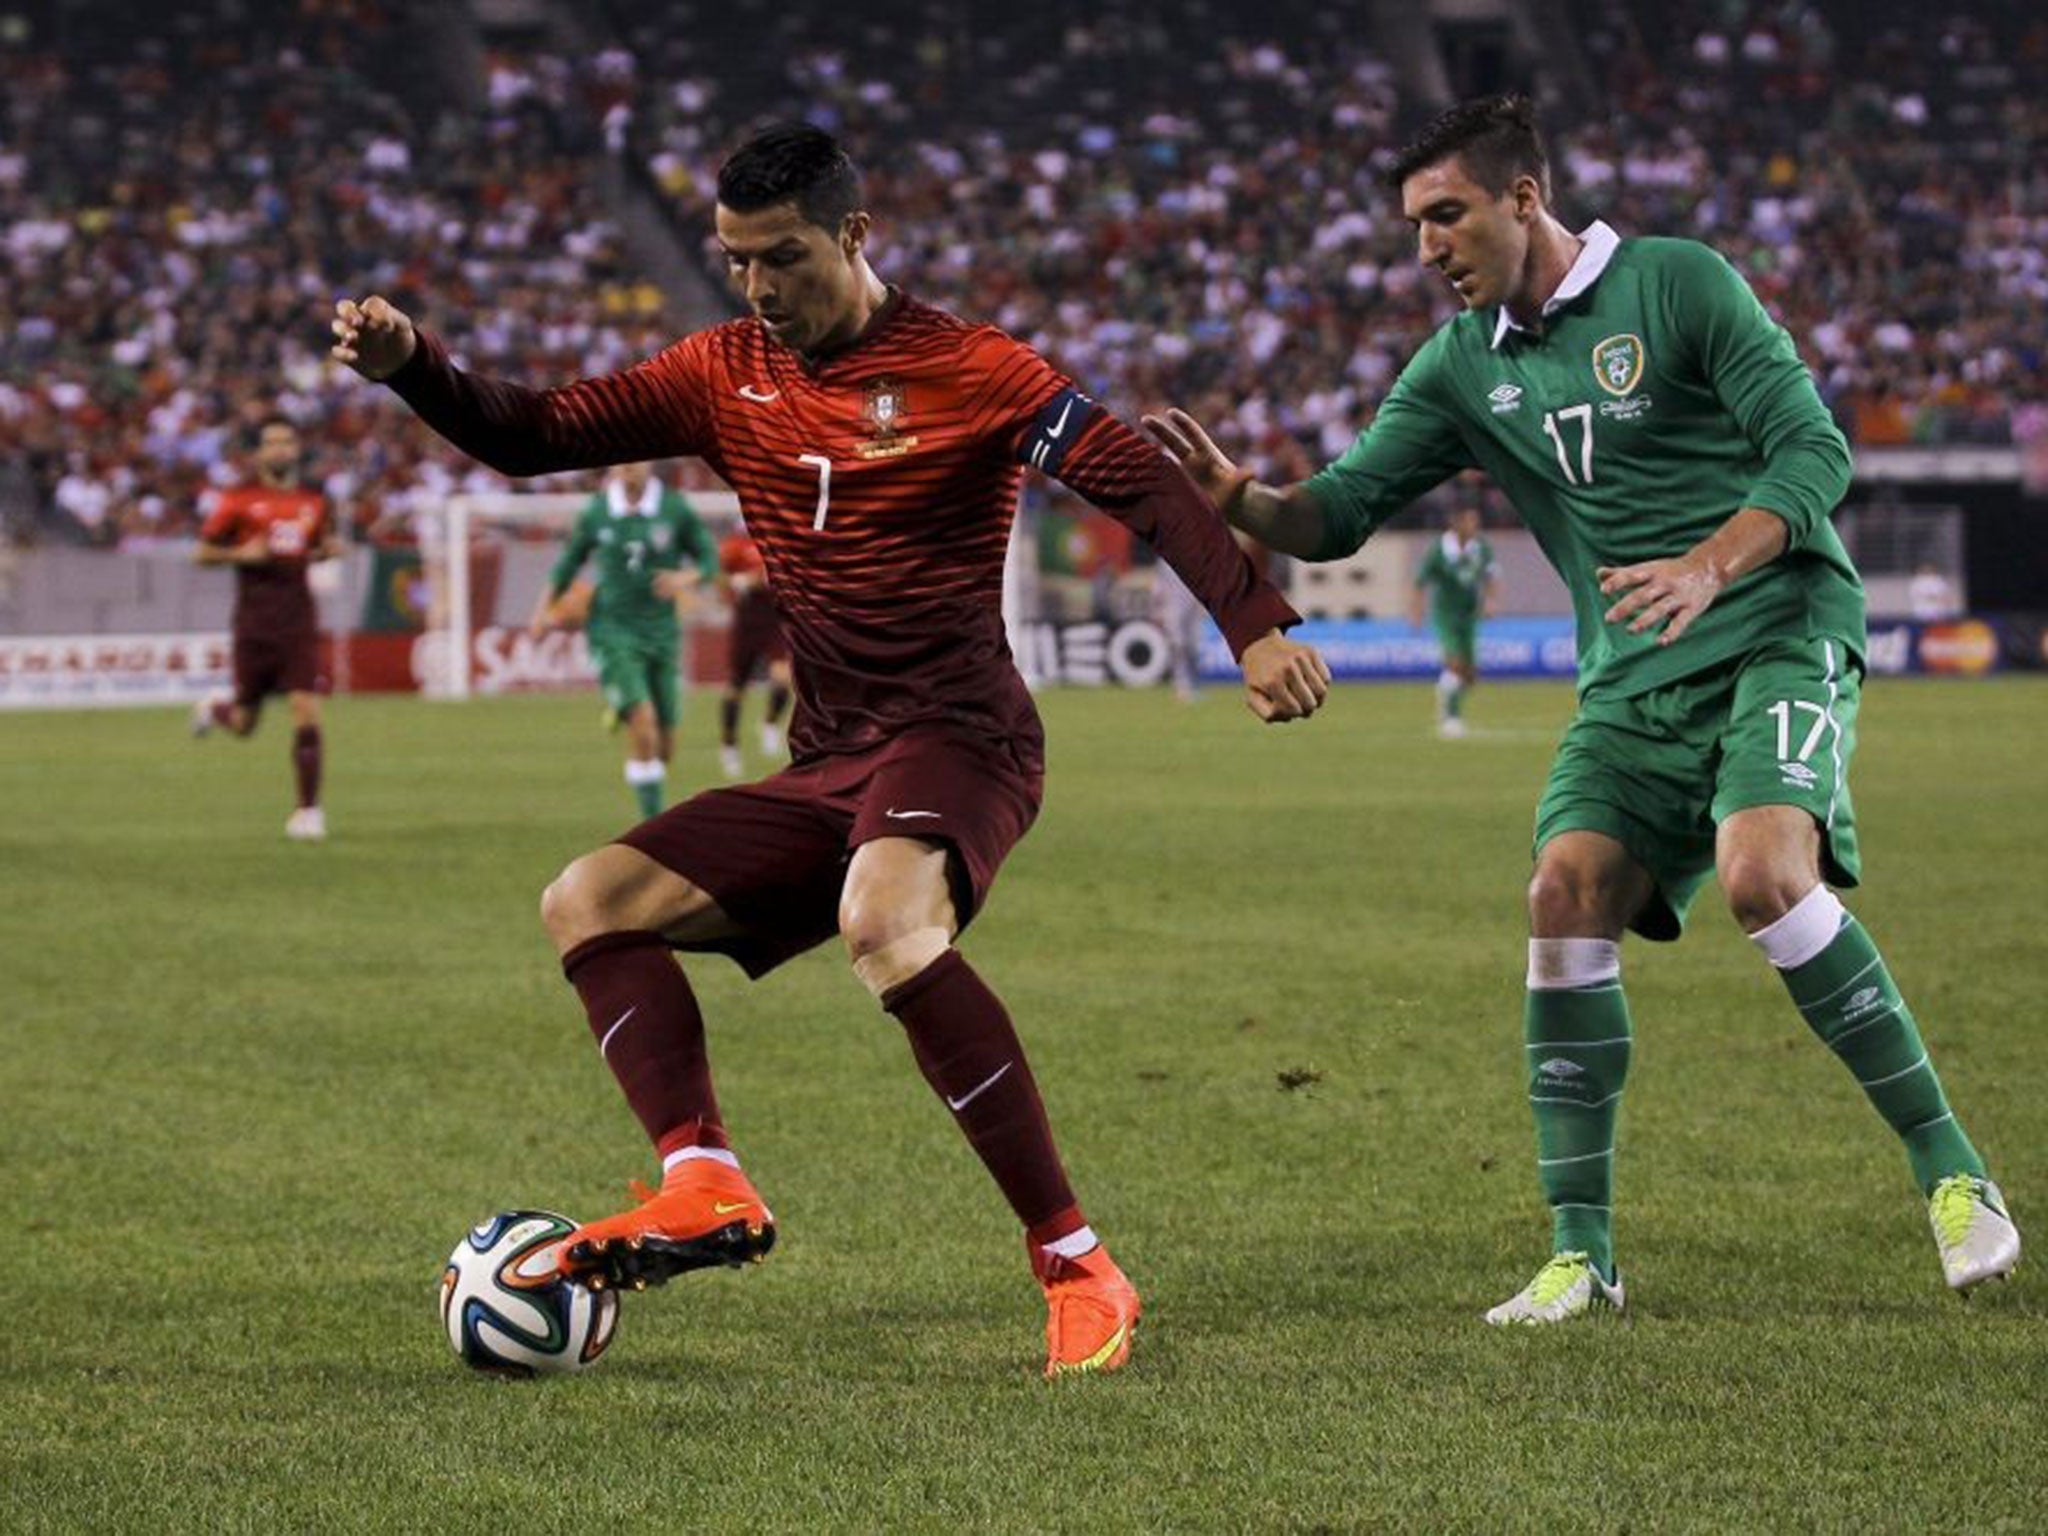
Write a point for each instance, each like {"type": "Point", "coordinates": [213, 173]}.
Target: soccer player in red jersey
{"type": "Point", "coordinates": [877, 445]}
{"type": "Point", "coordinates": [756, 646]}
{"type": "Point", "coordinates": [270, 532]}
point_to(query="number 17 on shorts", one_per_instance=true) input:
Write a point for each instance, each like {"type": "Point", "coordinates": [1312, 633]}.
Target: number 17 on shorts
{"type": "Point", "coordinates": [1790, 736]}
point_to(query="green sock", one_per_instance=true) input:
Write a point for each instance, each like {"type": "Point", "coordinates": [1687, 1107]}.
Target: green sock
{"type": "Point", "coordinates": [1849, 999]}
{"type": "Point", "coordinates": [648, 780]}
{"type": "Point", "coordinates": [1578, 1042]}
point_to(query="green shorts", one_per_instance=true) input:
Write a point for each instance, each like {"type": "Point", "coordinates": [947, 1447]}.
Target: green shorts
{"type": "Point", "coordinates": [1458, 638]}
{"type": "Point", "coordinates": [636, 672]}
{"type": "Point", "coordinates": [1660, 771]}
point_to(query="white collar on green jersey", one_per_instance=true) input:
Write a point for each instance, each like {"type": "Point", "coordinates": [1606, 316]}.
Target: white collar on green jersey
{"type": "Point", "coordinates": [1600, 244]}
{"type": "Point", "coordinates": [650, 498]}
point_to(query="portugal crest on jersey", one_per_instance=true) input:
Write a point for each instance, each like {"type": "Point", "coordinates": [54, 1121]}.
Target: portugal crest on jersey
{"type": "Point", "coordinates": [885, 411]}
{"type": "Point", "coordinates": [1618, 363]}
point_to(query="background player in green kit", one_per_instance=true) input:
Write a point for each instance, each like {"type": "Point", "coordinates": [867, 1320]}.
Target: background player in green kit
{"type": "Point", "coordinates": [650, 550]}
{"type": "Point", "coordinates": [1454, 580]}
{"type": "Point", "coordinates": [1659, 436]}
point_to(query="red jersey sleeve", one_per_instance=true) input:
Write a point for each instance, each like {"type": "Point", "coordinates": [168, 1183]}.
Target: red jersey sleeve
{"type": "Point", "coordinates": [1042, 420]}
{"type": "Point", "coordinates": [655, 410]}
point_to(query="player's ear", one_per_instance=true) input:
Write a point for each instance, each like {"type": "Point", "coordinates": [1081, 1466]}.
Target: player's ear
{"type": "Point", "coordinates": [1528, 195]}
{"type": "Point", "coordinates": [853, 233]}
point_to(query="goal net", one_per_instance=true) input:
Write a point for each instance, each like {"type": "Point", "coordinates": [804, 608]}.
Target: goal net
{"type": "Point", "coordinates": [486, 567]}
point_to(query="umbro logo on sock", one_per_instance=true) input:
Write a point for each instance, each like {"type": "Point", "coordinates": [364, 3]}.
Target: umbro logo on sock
{"type": "Point", "coordinates": [1557, 1066]}
{"type": "Point", "coordinates": [1862, 1001]}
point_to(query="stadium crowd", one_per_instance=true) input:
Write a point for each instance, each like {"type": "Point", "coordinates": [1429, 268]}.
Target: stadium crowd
{"type": "Point", "coordinates": [179, 206]}
{"type": "Point", "coordinates": [1178, 203]}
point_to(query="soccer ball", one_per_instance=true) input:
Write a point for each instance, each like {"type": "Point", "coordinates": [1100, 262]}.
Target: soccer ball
{"type": "Point", "coordinates": [506, 1309]}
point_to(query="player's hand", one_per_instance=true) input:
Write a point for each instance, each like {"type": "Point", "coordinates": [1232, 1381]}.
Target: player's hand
{"type": "Point", "coordinates": [1284, 679]}
{"type": "Point", "coordinates": [374, 337]}
{"type": "Point", "coordinates": [254, 550]}
{"type": "Point", "coordinates": [674, 584]}
{"type": "Point", "coordinates": [1668, 592]}
{"type": "Point", "coordinates": [1206, 464]}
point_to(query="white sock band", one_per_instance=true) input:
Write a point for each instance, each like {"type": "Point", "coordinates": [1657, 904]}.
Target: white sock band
{"type": "Point", "coordinates": [648, 770]}
{"type": "Point", "coordinates": [1805, 931]}
{"type": "Point", "coordinates": [708, 1154]}
{"type": "Point", "coordinates": [1558, 965]}
{"type": "Point", "coordinates": [1077, 1242]}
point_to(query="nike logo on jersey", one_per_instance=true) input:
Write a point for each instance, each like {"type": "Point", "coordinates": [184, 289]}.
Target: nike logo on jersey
{"type": "Point", "coordinates": [910, 815]}
{"type": "Point", "coordinates": [978, 1089]}
{"type": "Point", "coordinates": [756, 394]}
{"type": "Point", "coordinates": [727, 1207]}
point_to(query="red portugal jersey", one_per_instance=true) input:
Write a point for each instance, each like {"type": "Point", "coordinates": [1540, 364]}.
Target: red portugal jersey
{"type": "Point", "coordinates": [271, 598]}
{"type": "Point", "coordinates": [746, 577]}
{"type": "Point", "coordinates": [878, 484]}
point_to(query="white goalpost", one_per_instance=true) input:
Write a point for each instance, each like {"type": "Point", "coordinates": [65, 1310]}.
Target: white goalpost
{"type": "Point", "coordinates": [474, 641]}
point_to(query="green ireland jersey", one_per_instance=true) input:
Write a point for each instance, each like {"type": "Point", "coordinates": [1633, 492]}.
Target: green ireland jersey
{"type": "Point", "coordinates": [1455, 577]}
{"type": "Point", "coordinates": [633, 540]}
{"type": "Point", "coordinates": [1653, 400]}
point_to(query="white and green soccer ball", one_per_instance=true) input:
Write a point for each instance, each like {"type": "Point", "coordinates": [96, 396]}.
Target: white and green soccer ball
{"type": "Point", "coordinates": [508, 1311]}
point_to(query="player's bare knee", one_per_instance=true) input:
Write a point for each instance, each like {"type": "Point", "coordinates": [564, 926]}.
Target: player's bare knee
{"type": "Point", "coordinates": [1566, 900]}
{"type": "Point", "coordinates": [576, 905]}
{"type": "Point", "coordinates": [1761, 889]}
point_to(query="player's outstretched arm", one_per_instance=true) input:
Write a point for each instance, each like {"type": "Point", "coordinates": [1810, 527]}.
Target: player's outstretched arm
{"type": "Point", "coordinates": [1286, 519]}
{"type": "Point", "coordinates": [652, 411]}
{"type": "Point", "coordinates": [1674, 592]}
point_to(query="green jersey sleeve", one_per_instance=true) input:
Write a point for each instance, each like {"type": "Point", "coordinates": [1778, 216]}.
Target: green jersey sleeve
{"type": "Point", "coordinates": [576, 548]}
{"type": "Point", "coordinates": [1412, 445]}
{"type": "Point", "coordinates": [1755, 371]}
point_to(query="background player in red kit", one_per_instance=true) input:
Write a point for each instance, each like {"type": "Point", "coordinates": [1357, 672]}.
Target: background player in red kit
{"type": "Point", "coordinates": [877, 445]}
{"type": "Point", "coordinates": [270, 532]}
{"type": "Point", "coordinates": [756, 646]}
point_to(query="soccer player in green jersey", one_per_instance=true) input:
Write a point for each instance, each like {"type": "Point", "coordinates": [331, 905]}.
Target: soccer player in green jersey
{"type": "Point", "coordinates": [1660, 437]}
{"type": "Point", "coordinates": [1454, 580]}
{"type": "Point", "coordinates": [650, 550]}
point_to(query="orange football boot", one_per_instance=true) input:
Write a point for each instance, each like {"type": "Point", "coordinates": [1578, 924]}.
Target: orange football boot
{"type": "Point", "coordinates": [1091, 1311]}
{"type": "Point", "coordinates": [706, 1213]}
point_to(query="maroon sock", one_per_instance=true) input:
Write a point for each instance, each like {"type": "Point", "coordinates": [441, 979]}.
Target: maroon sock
{"type": "Point", "coordinates": [306, 761]}
{"type": "Point", "coordinates": [970, 1054]}
{"type": "Point", "coordinates": [728, 721]}
{"type": "Point", "coordinates": [650, 1033]}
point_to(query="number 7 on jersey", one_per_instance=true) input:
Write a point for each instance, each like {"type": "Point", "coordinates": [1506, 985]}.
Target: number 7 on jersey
{"type": "Point", "coordinates": [824, 468]}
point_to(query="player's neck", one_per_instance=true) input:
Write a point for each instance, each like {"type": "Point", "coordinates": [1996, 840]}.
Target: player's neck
{"type": "Point", "coordinates": [1552, 250]}
{"type": "Point", "coordinates": [278, 480]}
{"type": "Point", "coordinates": [873, 300]}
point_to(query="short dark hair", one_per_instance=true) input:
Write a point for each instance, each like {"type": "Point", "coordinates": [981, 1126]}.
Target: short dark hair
{"type": "Point", "coordinates": [1495, 137]}
{"type": "Point", "coordinates": [272, 419]}
{"type": "Point", "coordinates": [792, 162]}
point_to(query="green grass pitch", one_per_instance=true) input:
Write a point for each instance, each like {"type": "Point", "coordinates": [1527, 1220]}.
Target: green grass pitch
{"type": "Point", "coordinates": [252, 1092]}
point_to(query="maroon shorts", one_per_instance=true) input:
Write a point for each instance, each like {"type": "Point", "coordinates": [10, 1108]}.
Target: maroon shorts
{"type": "Point", "coordinates": [774, 855]}
{"type": "Point", "coordinates": [267, 664]}
{"type": "Point", "coordinates": [756, 644]}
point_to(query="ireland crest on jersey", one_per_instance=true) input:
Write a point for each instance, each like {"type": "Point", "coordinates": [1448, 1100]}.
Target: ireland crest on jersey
{"type": "Point", "coordinates": [1618, 363]}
